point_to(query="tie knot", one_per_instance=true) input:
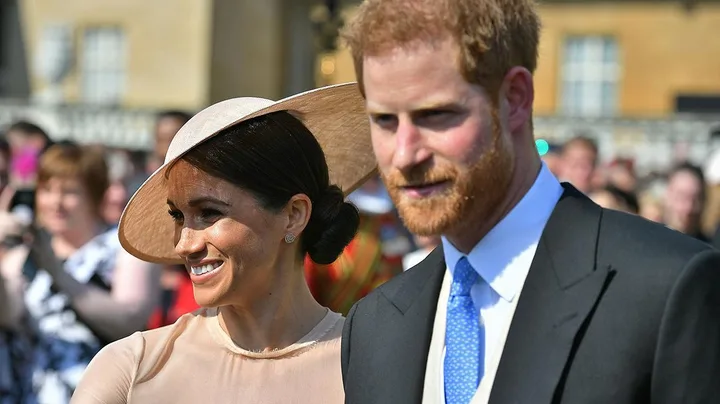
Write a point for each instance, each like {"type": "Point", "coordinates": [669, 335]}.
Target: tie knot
{"type": "Point", "coordinates": [464, 278]}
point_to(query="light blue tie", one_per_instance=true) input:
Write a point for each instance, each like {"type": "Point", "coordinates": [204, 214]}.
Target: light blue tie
{"type": "Point", "coordinates": [463, 338]}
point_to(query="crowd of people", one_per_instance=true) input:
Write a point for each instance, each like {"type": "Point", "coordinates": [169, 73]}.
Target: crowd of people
{"type": "Point", "coordinates": [240, 216]}
{"type": "Point", "coordinates": [684, 197]}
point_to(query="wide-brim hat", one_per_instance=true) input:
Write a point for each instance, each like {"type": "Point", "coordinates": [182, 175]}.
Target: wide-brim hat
{"type": "Point", "coordinates": [335, 115]}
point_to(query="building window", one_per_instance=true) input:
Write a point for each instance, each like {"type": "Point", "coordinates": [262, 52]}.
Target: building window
{"type": "Point", "coordinates": [103, 65]}
{"type": "Point", "coordinates": [590, 76]}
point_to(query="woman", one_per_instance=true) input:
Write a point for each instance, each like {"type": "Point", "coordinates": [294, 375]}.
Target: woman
{"type": "Point", "coordinates": [73, 289]}
{"type": "Point", "coordinates": [243, 196]}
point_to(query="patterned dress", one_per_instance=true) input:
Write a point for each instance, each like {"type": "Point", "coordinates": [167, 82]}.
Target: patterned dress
{"type": "Point", "coordinates": [49, 355]}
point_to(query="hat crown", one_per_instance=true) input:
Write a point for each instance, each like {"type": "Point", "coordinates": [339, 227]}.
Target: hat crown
{"type": "Point", "coordinates": [212, 120]}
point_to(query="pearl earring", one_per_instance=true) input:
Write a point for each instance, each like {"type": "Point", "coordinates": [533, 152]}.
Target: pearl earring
{"type": "Point", "coordinates": [289, 238]}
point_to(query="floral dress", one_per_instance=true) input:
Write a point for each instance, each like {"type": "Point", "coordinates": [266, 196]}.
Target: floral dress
{"type": "Point", "coordinates": [43, 362]}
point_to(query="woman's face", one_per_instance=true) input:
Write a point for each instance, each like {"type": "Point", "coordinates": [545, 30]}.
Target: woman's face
{"type": "Point", "coordinates": [230, 244]}
{"type": "Point", "coordinates": [64, 204]}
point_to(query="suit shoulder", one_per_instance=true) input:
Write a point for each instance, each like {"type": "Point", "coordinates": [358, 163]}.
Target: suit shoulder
{"type": "Point", "coordinates": [413, 277]}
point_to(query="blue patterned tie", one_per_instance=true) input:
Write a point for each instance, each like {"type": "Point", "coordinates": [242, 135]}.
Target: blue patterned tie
{"type": "Point", "coordinates": [463, 338]}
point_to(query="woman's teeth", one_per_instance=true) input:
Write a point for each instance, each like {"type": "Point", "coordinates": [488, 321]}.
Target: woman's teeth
{"type": "Point", "coordinates": [203, 269]}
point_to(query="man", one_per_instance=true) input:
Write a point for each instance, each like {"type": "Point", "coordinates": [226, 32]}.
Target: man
{"type": "Point", "coordinates": [536, 295]}
{"type": "Point", "coordinates": [167, 124]}
{"type": "Point", "coordinates": [685, 200]}
{"type": "Point", "coordinates": [578, 161]}
{"type": "Point", "coordinates": [552, 158]}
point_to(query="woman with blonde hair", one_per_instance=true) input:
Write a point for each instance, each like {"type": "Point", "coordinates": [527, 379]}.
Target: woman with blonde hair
{"type": "Point", "coordinates": [248, 189]}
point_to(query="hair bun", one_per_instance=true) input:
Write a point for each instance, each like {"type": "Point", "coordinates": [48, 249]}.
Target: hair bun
{"type": "Point", "coordinates": [333, 224]}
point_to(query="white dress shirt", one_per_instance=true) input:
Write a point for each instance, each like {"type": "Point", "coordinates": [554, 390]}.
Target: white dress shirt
{"type": "Point", "coordinates": [502, 259]}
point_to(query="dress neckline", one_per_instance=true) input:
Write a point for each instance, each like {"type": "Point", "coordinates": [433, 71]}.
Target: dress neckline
{"type": "Point", "coordinates": [316, 334]}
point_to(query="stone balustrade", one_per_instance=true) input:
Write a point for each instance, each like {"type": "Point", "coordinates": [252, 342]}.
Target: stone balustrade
{"type": "Point", "coordinates": [654, 143]}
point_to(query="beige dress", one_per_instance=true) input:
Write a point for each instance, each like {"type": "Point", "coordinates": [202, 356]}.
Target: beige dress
{"type": "Point", "coordinates": [195, 361]}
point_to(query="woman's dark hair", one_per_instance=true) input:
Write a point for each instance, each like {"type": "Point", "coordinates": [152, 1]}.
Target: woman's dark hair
{"type": "Point", "coordinates": [275, 157]}
{"type": "Point", "coordinates": [629, 199]}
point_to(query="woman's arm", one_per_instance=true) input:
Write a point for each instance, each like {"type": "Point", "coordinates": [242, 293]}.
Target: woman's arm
{"type": "Point", "coordinates": [12, 305]}
{"type": "Point", "coordinates": [116, 314]}
{"type": "Point", "coordinates": [109, 376]}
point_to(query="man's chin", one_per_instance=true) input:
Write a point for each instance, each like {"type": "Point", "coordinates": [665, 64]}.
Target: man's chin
{"type": "Point", "coordinates": [426, 220]}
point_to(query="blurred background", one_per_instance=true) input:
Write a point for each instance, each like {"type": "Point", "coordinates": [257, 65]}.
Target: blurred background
{"type": "Point", "coordinates": [642, 76]}
{"type": "Point", "coordinates": [627, 108]}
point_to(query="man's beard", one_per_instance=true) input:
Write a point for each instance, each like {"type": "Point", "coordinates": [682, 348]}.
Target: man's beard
{"type": "Point", "coordinates": [473, 194]}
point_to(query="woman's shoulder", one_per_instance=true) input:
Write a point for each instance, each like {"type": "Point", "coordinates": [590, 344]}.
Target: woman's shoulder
{"type": "Point", "coordinates": [121, 365]}
{"type": "Point", "coordinates": [147, 351]}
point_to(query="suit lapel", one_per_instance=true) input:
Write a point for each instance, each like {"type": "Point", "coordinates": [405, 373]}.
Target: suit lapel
{"type": "Point", "coordinates": [414, 301]}
{"type": "Point", "coordinates": [559, 294]}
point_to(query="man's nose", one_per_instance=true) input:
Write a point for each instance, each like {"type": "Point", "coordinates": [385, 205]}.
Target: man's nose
{"type": "Point", "coordinates": [410, 149]}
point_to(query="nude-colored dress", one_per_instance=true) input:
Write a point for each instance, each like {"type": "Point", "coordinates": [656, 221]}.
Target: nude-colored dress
{"type": "Point", "coordinates": [195, 361]}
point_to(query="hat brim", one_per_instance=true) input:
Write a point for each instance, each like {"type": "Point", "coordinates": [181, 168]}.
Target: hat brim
{"type": "Point", "coordinates": [335, 115]}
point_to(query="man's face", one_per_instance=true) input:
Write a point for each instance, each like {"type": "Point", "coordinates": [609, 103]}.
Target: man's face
{"type": "Point", "coordinates": [578, 166]}
{"type": "Point", "coordinates": [165, 131]}
{"type": "Point", "coordinates": [438, 139]}
{"type": "Point", "coordinates": [683, 202]}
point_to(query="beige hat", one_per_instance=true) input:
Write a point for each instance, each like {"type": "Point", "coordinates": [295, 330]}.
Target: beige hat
{"type": "Point", "coordinates": [335, 115]}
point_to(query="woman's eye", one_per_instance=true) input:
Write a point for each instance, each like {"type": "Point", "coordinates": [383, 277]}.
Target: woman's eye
{"type": "Point", "coordinates": [175, 215]}
{"type": "Point", "coordinates": [210, 214]}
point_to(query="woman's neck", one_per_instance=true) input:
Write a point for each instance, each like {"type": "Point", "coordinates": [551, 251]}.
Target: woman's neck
{"type": "Point", "coordinates": [287, 314]}
{"type": "Point", "coordinates": [66, 243]}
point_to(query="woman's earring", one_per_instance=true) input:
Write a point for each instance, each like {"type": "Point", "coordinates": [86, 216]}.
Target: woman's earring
{"type": "Point", "coordinates": [289, 238]}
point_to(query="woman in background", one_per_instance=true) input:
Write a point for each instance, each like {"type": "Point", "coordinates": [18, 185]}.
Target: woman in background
{"type": "Point", "coordinates": [72, 290]}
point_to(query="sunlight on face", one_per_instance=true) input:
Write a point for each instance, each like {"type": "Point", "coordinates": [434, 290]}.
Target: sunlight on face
{"type": "Point", "coordinates": [229, 242]}
{"type": "Point", "coordinates": [438, 138]}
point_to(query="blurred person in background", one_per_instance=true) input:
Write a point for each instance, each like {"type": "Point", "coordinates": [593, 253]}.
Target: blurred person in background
{"type": "Point", "coordinates": [552, 158]}
{"type": "Point", "coordinates": [620, 174]}
{"type": "Point", "coordinates": [579, 157]}
{"type": "Point", "coordinates": [116, 196]}
{"type": "Point", "coordinates": [167, 125]}
{"type": "Point", "coordinates": [27, 142]}
{"type": "Point", "coordinates": [612, 197]}
{"type": "Point", "coordinates": [72, 290]}
{"type": "Point", "coordinates": [372, 257]}
{"type": "Point", "coordinates": [4, 165]}
{"type": "Point", "coordinates": [711, 216]}
{"type": "Point", "coordinates": [423, 246]}
{"type": "Point", "coordinates": [685, 200]}
{"type": "Point", "coordinates": [176, 297]}
{"type": "Point", "coordinates": [651, 207]}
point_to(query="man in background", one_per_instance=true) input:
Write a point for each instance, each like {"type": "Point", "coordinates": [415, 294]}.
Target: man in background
{"type": "Point", "coordinates": [578, 160]}
{"type": "Point", "coordinates": [167, 124]}
{"type": "Point", "coordinates": [552, 158]}
{"type": "Point", "coordinates": [685, 200]}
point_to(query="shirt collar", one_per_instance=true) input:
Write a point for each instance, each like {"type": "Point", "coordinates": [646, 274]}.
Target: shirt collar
{"type": "Point", "coordinates": [516, 232]}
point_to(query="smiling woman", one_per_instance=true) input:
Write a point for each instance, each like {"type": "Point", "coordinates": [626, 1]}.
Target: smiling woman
{"type": "Point", "coordinates": [249, 188]}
